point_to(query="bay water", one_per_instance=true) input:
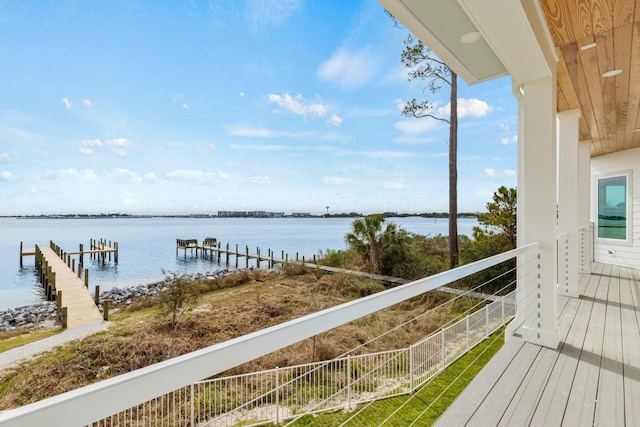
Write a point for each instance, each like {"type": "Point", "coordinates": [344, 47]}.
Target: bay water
{"type": "Point", "coordinates": [147, 246]}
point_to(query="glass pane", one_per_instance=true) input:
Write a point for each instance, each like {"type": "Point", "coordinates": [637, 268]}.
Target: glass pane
{"type": "Point", "coordinates": [612, 208]}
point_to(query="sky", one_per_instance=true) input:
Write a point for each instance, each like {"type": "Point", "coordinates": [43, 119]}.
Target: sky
{"type": "Point", "coordinates": [191, 107]}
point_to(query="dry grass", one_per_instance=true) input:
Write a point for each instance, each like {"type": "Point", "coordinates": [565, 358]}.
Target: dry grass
{"type": "Point", "coordinates": [232, 307]}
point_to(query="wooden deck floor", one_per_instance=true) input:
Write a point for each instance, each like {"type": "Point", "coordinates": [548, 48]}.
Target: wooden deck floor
{"type": "Point", "coordinates": [593, 378]}
{"type": "Point", "coordinates": [81, 308]}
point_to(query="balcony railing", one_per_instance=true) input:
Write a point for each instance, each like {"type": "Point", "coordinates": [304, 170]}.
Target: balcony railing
{"type": "Point", "coordinates": [173, 389]}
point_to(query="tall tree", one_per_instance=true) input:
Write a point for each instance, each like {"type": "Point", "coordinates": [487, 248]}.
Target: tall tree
{"type": "Point", "coordinates": [425, 66]}
{"type": "Point", "coordinates": [501, 215]}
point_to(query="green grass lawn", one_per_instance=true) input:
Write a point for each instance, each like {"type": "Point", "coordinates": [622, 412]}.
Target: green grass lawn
{"type": "Point", "coordinates": [426, 405]}
{"type": "Point", "coordinates": [25, 337]}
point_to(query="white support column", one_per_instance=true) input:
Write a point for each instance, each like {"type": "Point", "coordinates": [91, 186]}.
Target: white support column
{"type": "Point", "coordinates": [537, 294]}
{"type": "Point", "coordinates": [568, 159]}
{"type": "Point", "coordinates": [584, 206]}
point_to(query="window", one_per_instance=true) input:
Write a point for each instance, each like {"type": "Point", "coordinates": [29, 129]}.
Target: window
{"type": "Point", "coordinates": [613, 204]}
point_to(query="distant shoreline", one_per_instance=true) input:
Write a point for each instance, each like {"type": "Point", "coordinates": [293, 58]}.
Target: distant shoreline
{"type": "Point", "coordinates": [436, 215]}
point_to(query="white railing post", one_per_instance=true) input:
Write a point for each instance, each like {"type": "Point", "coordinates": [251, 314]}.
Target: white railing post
{"type": "Point", "coordinates": [348, 381]}
{"type": "Point", "coordinates": [277, 396]}
{"type": "Point", "coordinates": [192, 408]}
{"type": "Point", "coordinates": [411, 368]}
{"type": "Point", "coordinates": [467, 321]}
{"type": "Point", "coordinates": [444, 359]}
{"type": "Point", "coordinates": [486, 316]}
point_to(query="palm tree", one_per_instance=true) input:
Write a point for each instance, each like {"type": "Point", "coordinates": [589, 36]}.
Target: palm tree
{"type": "Point", "coordinates": [367, 239]}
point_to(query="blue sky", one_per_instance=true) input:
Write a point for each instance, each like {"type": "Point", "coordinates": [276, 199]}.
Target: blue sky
{"type": "Point", "coordinates": [180, 107]}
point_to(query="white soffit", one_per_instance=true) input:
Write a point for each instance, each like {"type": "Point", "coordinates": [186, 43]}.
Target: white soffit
{"type": "Point", "coordinates": [440, 24]}
{"type": "Point", "coordinates": [517, 33]}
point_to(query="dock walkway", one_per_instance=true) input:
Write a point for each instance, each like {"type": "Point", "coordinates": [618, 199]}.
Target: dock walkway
{"type": "Point", "coordinates": [69, 289]}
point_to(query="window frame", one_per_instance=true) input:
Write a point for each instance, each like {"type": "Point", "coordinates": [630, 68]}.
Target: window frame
{"type": "Point", "coordinates": [627, 174]}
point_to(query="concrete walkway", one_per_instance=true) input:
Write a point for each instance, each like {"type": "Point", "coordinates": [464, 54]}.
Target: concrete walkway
{"type": "Point", "coordinates": [9, 357]}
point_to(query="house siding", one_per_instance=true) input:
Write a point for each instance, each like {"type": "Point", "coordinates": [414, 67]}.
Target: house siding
{"type": "Point", "coordinates": [625, 254]}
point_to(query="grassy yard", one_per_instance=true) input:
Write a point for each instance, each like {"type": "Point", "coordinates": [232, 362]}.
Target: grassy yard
{"type": "Point", "coordinates": [426, 405]}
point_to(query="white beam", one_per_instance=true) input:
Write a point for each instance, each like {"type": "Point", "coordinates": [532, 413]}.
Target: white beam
{"type": "Point", "coordinates": [568, 155]}
{"type": "Point", "coordinates": [537, 210]}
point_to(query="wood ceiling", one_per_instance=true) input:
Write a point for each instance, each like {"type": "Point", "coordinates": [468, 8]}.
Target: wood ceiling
{"type": "Point", "coordinates": [609, 106]}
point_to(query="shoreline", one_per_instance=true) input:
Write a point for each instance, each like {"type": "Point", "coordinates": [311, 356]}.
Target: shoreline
{"type": "Point", "coordinates": [43, 314]}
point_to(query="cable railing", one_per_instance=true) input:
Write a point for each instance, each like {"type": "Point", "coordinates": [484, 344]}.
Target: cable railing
{"type": "Point", "coordinates": [171, 393]}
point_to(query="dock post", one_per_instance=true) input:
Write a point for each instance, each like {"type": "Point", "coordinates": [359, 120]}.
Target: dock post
{"type": "Point", "coordinates": [73, 265]}
{"type": "Point", "coordinates": [271, 265]}
{"type": "Point", "coordinates": [296, 256]}
{"type": "Point", "coordinates": [109, 252]}
{"type": "Point", "coordinates": [314, 259]}
{"type": "Point", "coordinates": [59, 303]}
{"type": "Point", "coordinates": [282, 257]}
{"type": "Point", "coordinates": [20, 254]}
{"type": "Point", "coordinates": [303, 262]}
{"type": "Point", "coordinates": [52, 282]}
{"type": "Point", "coordinates": [246, 261]}
{"type": "Point", "coordinates": [68, 260]}
{"type": "Point", "coordinates": [96, 296]}
{"type": "Point", "coordinates": [86, 277]}
{"type": "Point", "coordinates": [105, 310]}
{"type": "Point", "coordinates": [64, 316]}
{"type": "Point", "coordinates": [115, 255]}
{"type": "Point", "coordinates": [81, 259]}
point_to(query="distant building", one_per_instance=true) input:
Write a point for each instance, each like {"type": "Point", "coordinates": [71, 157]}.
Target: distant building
{"type": "Point", "coordinates": [301, 214]}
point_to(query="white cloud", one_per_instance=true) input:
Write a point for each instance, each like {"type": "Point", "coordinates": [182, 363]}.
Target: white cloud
{"type": "Point", "coordinates": [119, 146]}
{"type": "Point", "coordinates": [241, 94]}
{"type": "Point", "coordinates": [150, 177]}
{"type": "Point", "coordinates": [185, 106]}
{"type": "Point", "coordinates": [253, 132]}
{"type": "Point", "coordinates": [467, 108]}
{"type": "Point", "coordinates": [124, 176]}
{"type": "Point", "coordinates": [7, 176]}
{"type": "Point", "coordinates": [334, 120]}
{"type": "Point", "coordinates": [66, 102]}
{"type": "Point", "coordinates": [297, 105]}
{"type": "Point", "coordinates": [4, 157]}
{"type": "Point", "coordinates": [388, 154]}
{"type": "Point", "coordinates": [336, 180]}
{"type": "Point", "coordinates": [490, 172]}
{"type": "Point", "coordinates": [91, 143]}
{"type": "Point", "coordinates": [258, 147]}
{"type": "Point", "coordinates": [349, 69]}
{"type": "Point", "coordinates": [265, 13]}
{"type": "Point", "coordinates": [194, 176]}
{"type": "Point", "coordinates": [415, 126]}
{"type": "Point", "coordinates": [397, 183]}
{"type": "Point", "coordinates": [70, 174]}
{"type": "Point", "coordinates": [86, 102]}
{"type": "Point", "coordinates": [507, 141]}
{"type": "Point", "coordinates": [509, 172]}
{"type": "Point", "coordinates": [86, 151]}
{"type": "Point", "coordinates": [259, 179]}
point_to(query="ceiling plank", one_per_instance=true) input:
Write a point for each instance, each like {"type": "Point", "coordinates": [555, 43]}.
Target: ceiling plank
{"type": "Point", "coordinates": [601, 15]}
{"type": "Point", "coordinates": [565, 85]}
{"type": "Point", "coordinates": [574, 66]}
{"type": "Point", "coordinates": [623, 12]}
{"type": "Point", "coordinates": [622, 38]}
{"type": "Point", "coordinates": [634, 88]}
{"type": "Point", "coordinates": [580, 13]}
{"type": "Point", "coordinates": [607, 110]}
{"type": "Point", "coordinates": [561, 26]}
{"type": "Point", "coordinates": [591, 93]}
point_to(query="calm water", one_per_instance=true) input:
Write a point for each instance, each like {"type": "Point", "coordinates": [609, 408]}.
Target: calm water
{"type": "Point", "coordinates": [147, 245]}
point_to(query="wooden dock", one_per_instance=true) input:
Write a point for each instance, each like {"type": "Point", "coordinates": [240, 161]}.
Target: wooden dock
{"type": "Point", "coordinates": [67, 282]}
{"type": "Point", "coordinates": [74, 302]}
